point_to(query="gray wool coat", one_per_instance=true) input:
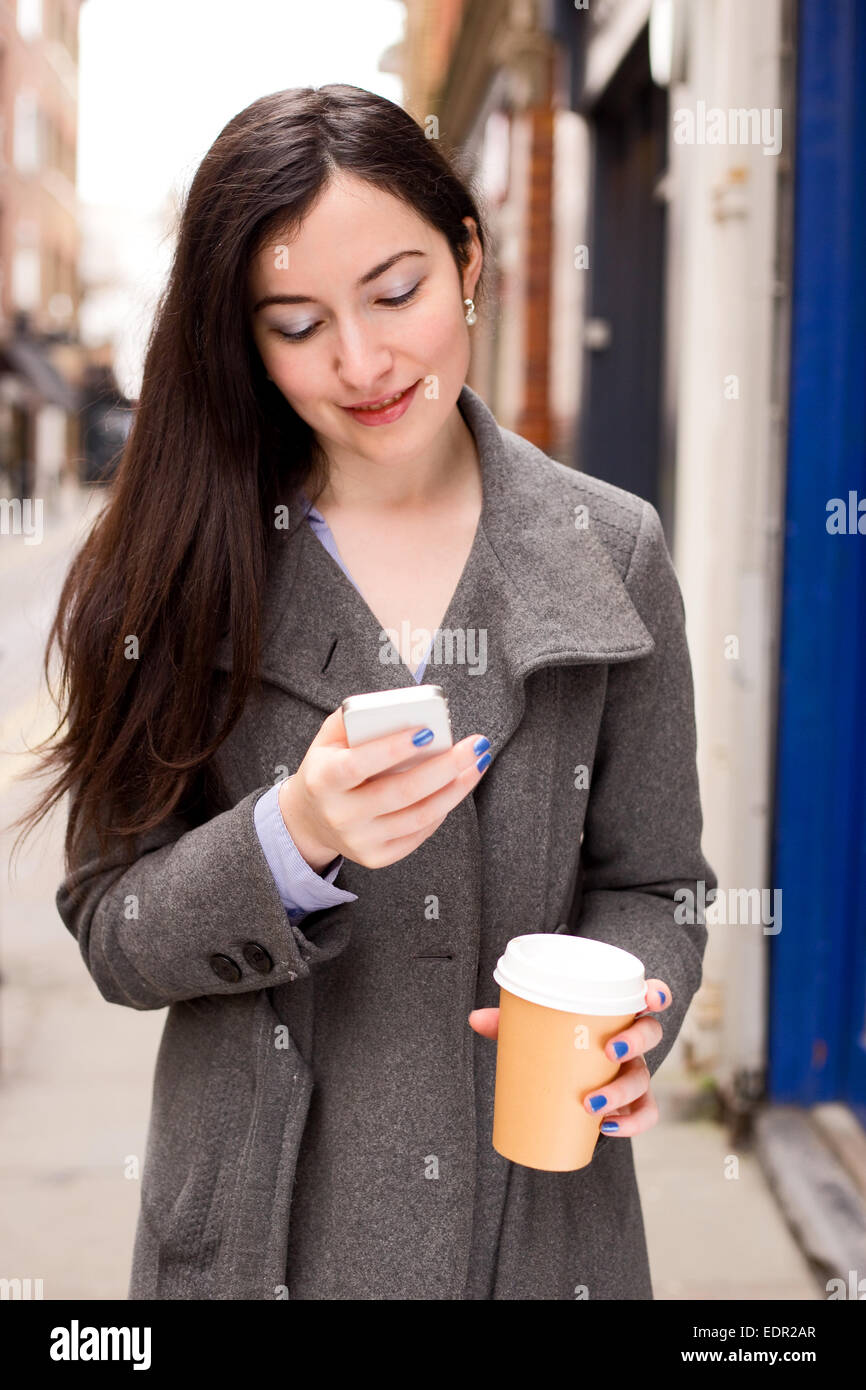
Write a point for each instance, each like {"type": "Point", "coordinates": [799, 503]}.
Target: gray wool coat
{"type": "Point", "coordinates": [322, 1111]}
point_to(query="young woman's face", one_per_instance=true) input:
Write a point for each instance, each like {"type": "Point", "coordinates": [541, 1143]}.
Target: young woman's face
{"type": "Point", "coordinates": [365, 303]}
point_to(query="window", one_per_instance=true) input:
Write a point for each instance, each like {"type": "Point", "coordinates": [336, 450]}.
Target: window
{"type": "Point", "coordinates": [26, 138]}
{"type": "Point", "coordinates": [30, 18]}
{"type": "Point", "coordinates": [26, 278]}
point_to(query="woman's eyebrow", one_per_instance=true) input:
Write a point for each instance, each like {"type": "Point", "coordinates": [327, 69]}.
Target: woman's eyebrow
{"type": "Point", "coordinates": [308, 299]}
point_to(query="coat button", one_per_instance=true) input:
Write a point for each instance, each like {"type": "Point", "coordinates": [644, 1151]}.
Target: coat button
{"type": "Point", "coordinates": [256, 956]}
{"type": "Point", "coordinates": [226, 968]}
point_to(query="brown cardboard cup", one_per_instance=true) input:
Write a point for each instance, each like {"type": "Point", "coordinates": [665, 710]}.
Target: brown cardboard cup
{"type": "Point", "coordinates": [562, 998]}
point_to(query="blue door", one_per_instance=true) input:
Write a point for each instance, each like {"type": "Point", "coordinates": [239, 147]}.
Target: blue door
{"type": "Point", "coordinates": [818, 959]}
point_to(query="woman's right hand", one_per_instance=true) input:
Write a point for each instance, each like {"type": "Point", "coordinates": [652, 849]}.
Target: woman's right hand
{"type": "Point", "coordinates": [329, 808]}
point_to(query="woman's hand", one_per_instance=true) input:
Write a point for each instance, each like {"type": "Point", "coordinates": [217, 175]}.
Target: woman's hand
{"type": "Point", "coordinates": [628, 1102]}
{"type": "Point", "coordinates": [329, 807]}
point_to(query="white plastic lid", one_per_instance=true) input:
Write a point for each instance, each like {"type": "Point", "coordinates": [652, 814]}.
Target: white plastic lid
{"type": "Point", "coordinates": [573, 973]}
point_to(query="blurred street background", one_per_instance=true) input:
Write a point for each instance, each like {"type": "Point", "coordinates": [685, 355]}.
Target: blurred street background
{"type": "Point", "coordinates": [676, 191]}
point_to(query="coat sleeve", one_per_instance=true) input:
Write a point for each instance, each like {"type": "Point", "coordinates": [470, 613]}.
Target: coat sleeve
{"type": "Point", "coordinates": [642, 831]}
{"type": "Point", "coordinates": [197, 913]}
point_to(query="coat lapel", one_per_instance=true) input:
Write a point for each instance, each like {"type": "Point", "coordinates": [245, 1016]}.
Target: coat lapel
{"type": "Point", "coordinates": [535, 591]}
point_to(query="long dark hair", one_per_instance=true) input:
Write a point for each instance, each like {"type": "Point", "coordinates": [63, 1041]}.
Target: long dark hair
{"type": "Point", "coordinates": [178, 555]}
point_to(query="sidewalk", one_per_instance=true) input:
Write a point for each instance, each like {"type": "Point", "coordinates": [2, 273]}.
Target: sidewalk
{"type": "Point", "coordinates": [711, 1236]}
{"type": "Point", "coordinates": [76, 1075]}
{"type": "Point", "coordinates": [75, 1072]}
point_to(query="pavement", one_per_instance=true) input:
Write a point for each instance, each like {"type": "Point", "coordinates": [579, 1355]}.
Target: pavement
{"type": "Point", "coordinates": [76, 1072]}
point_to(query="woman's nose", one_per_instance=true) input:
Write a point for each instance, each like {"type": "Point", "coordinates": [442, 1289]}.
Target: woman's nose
{"type": "Point", "coordinates": [362, 358]}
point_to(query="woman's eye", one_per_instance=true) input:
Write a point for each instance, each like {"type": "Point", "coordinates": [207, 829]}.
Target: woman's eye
{"type": "Point", "coordinates": [402, 298]}
{"type": "Point", "coordinates": [395, 300]}
{"type": "Point", "coordinates": [297, 337]}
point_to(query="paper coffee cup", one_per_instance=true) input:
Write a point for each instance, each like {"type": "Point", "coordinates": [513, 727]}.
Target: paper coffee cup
{"type": "Point", "coordinates": [561, 999]}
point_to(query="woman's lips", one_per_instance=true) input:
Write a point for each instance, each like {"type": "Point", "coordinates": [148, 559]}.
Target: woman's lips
{"type": "Point", "coordinates": [386, 414]}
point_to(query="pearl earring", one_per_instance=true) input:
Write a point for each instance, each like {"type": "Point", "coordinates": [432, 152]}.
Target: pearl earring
{"type": "Point", "coordinates": [471, 315]}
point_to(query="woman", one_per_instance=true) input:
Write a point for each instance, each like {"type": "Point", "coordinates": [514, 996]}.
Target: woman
{"type": "Point", "coordinates": [309, 497]}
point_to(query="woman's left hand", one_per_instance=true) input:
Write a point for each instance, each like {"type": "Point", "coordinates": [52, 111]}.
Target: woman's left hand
{"type": "Point", "coordinates": [628, 1102]}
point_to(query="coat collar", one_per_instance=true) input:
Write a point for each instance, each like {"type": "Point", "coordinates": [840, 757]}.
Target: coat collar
{"type": "Point", "coordinates": [544, 592]}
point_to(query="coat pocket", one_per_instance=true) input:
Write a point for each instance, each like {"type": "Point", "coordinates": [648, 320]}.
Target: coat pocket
{"type": "Point", "coordinates": [189, 1237]}
{"type": "Point", "coordinates": [251, 1262]}
{"type": "Point", "coordinates": [203, 1099]}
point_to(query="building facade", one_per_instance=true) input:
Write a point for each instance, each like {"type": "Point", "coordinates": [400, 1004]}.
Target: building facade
{"type": "Point", "coordinates": [656, 175]}
{"type": "Point", "coordinates": [40, 358]}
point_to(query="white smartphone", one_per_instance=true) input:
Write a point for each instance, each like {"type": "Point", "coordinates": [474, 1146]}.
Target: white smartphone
{"type": "Point", "coordinates": [388, 711]}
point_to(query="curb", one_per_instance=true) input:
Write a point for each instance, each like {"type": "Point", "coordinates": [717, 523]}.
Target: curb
{"type": "Point", "coordinates": [822, 1204]}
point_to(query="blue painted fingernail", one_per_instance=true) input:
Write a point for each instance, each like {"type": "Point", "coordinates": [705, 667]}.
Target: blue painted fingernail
{"type": "Point", "coordinates": [662, 995]}
{"type": "Point", "coordinates": [609, 1126]}
{"type": "Point", "coordinates": [483, 762]}
{"type": "Point", "coordinates": [423, 737]}
{"type": "Point", "coordinates": [481, 744]}
{"type": "Point", "coordinates": [598, 1101]}
{"type": "Point", "coordinates": [620, 1048]}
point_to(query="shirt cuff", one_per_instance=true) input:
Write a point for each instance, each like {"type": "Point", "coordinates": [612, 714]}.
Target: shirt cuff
{"type": "Point", "coordinates": [301, 889]}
